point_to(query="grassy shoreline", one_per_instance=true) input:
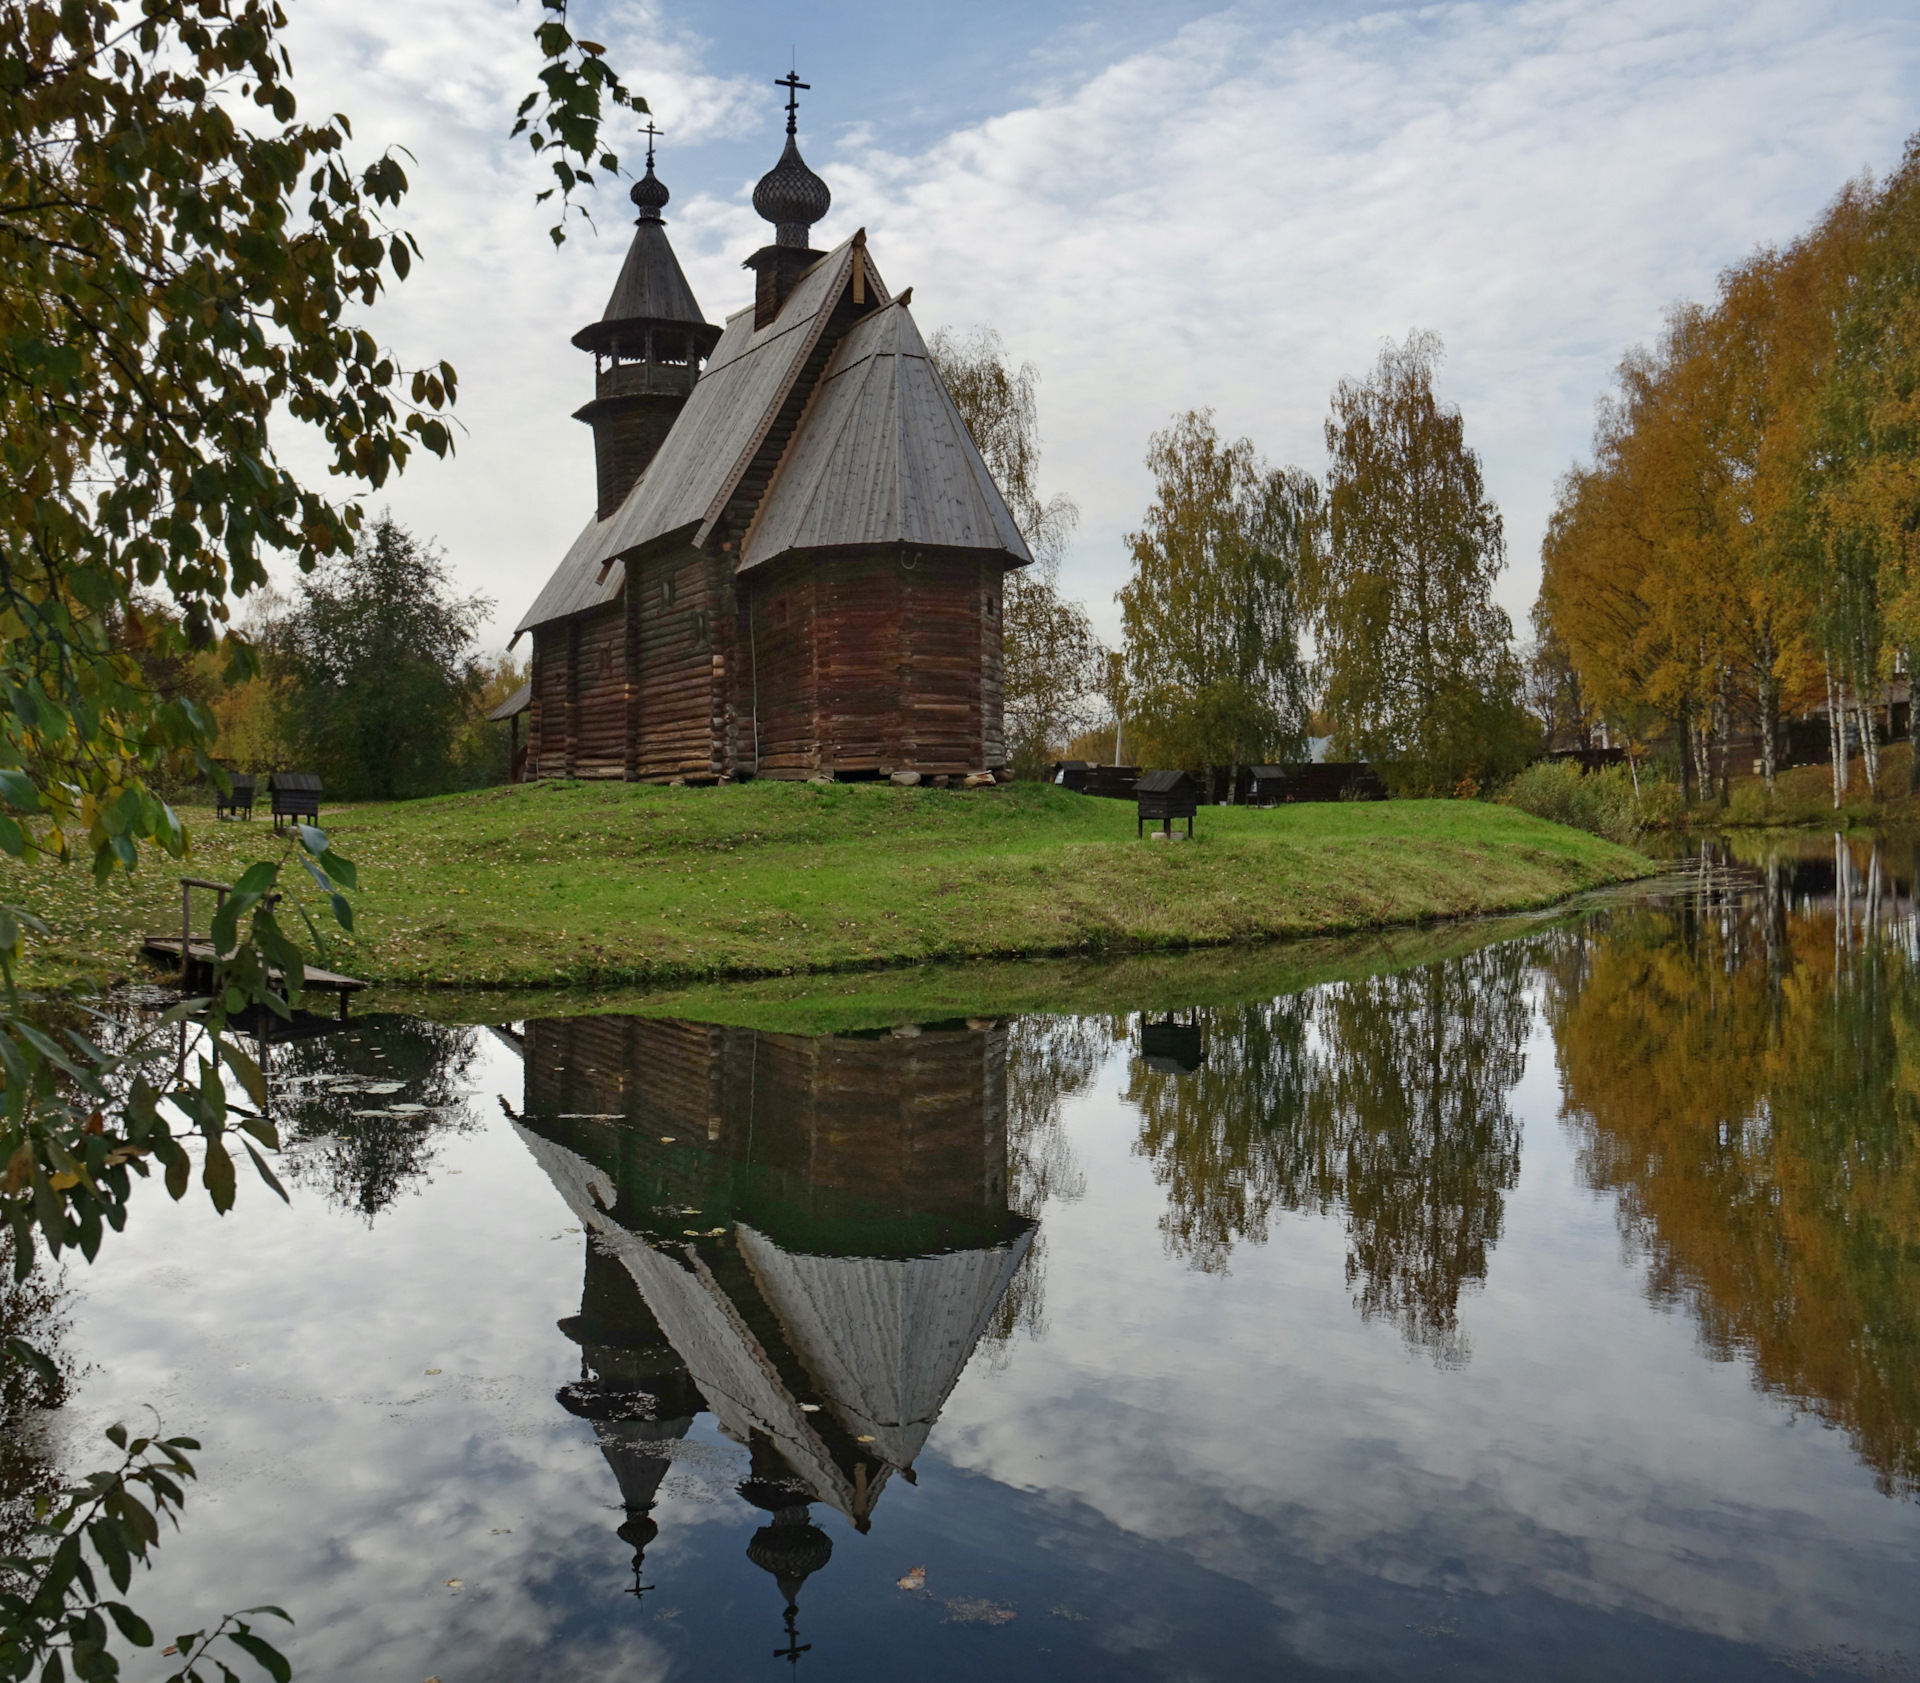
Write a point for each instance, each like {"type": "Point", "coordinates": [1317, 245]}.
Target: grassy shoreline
{"type": "Point", "coordinates": [599, 885]}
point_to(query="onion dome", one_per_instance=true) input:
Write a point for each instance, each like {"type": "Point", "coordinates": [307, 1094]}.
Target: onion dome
{"type": "Point", "coordinates": [791, 197]}
{"type": "Point", "coordinates": [649, 193]}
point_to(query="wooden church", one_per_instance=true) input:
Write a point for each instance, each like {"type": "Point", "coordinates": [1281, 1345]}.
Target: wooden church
{"type": "Point", "coordinates": [795, 567]}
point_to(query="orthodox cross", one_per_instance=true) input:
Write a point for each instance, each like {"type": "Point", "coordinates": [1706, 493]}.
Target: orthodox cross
{"type": "Point", "coordinates": [793, 85]}
{"type": "Point", "coordinates": [795, 1647]}
{"type": "Point", "coordinates": [652, 135]}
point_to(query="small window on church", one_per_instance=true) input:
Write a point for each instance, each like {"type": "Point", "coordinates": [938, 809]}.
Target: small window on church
{"type": "Point", "coordinates": [668, 590]}
{"type": "Point", "coordinates": [606, 659]}
{"type": "Point", "coordinates": [993, 607]}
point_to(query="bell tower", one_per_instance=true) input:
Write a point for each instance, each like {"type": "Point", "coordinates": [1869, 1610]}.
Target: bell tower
{"type": "Point", "coordinates": [647, 348]}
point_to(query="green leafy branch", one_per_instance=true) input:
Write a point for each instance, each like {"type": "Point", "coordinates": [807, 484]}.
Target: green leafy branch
{"type": "Point", "coordinates": [564, 116]}
{"type": "Point", "coordinates": [54, 1617]}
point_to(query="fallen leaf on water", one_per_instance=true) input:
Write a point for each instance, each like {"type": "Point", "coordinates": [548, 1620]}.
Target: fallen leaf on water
{"type": "Point", "coordinates": [502, 1531]}
{"type": "Point", "coordinates": [809, 1408]}
{"type": "Point", "coordinates": [867, 1439]}
{"type": "Point", "coordinates": [666, 1139]}
{"type": "Point", "coordinates": [455, 1583]}
{"type": "Point", "coordinates": [432, 1371]}
{"type": "Point", "coordinates": [916, 1579]}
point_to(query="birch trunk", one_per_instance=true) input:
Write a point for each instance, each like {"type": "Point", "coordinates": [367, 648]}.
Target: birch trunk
{"type": "Point", "coordinates": [1723, 725]}
{"type": "Point", "coordinates": [1769, 715]}
{"type": "Point", "coordinates": [1836, 737]}
{"type": "Point", "coordinates": [1686, 746]}
{"type": "Point", "coordinates": [1913, 759]}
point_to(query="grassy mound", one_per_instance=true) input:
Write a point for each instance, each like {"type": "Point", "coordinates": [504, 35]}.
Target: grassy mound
{"type": "Point", "coordinates": [580, 884]}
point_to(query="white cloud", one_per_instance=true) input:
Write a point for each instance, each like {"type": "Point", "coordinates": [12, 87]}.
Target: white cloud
{"type": "Point", "coordinates": [1234, 218]}
{"type": "Point", "coordinates": [1237, 218]}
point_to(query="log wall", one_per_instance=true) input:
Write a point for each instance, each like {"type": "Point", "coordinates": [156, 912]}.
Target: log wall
{"type": "Point", "coordinates": [860, 663]}
{"type": "Point", "coordinates": [917, 1124]}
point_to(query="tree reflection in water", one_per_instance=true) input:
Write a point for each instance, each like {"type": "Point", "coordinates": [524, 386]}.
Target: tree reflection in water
{"type": "Point", "coordinates": [35, 1310]}
{"type": "Point", "coordinates": [361, 1112]}
{"type": "Point", "coordinates": [1049, 1060]}
{"type": "Point", "coordinates": [1383, 1100]}
{"type": "Point", "coordinates": [1743, 1073]}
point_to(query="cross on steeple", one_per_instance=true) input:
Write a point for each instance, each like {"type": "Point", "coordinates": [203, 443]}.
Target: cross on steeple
{"type": "Point", "coordinates": [792, 83]}
{"type": "Point", "coordinates": [652, 135]}
{"type": "Point", "coordinates": [795, 1647]}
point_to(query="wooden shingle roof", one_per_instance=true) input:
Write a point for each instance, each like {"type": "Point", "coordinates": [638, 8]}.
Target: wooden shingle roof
{"type": "Point", "coordinates": [652, 284]}
{"type": "Point", "coordinates": [878, 454]}
{"type": "Point", "coordinates": [727, 416]}
{"type": "Point", "coordinates": [882, 456]}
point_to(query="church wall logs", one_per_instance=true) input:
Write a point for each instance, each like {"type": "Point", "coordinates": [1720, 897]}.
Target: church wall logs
{"type": "Point", "coordinates": [849, 663]}
{"type": "Point", "coordinates": [915, 1125]}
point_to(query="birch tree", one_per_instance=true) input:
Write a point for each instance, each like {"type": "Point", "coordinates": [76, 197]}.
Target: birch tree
{"type": "Point", "coordinates": [1212, 611]}
{"type": "Point", "coordinates": [1417, 660]}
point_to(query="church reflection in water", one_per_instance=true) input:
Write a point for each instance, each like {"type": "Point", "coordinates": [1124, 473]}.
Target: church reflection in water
{"type": "Point", "coordinates": [807, 1236]}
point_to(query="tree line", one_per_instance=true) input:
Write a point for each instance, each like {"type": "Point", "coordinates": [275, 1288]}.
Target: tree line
{"type": "Point", "coordinates": [1744, 544]}
{"type": "Point", "coordinates": [1385, 565]}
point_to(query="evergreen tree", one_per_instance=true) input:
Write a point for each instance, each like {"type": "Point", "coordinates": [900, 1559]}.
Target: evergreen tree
{"type": "Point", "coordinates": [1417, 661]}
{"type": "Point", "coordinates": [377, 673]}
{"type": "Point", "coordinates": [1211, 612]}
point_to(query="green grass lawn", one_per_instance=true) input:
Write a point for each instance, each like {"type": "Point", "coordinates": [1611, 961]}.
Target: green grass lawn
{"type": "Point", "coordinates": [598, 884]}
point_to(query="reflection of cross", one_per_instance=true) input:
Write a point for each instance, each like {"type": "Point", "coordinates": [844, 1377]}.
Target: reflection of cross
{"type": "Point", "coordinates": [793, 85]}
{"type": "Point", "coordinates": [652, 135]}
{"type": "Point", "coordinates": [795, 1647]}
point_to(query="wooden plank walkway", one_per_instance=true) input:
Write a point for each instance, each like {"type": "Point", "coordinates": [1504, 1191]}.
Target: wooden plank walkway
{"type": "Point", "coordinates": [200, 955]}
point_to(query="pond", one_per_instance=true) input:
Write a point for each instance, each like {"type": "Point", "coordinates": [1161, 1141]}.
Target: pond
{"type": "Point", "coordinates": [1550, 1307]}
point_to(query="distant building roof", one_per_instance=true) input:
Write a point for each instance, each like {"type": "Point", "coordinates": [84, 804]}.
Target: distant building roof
{"type": "Point", "coordinates": [518, 702]}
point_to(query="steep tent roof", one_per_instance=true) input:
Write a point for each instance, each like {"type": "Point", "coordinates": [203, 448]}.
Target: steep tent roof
{"type": "Point", "coordinates": [733, 404]}
{"type": "Point", "coordinates": [885, 1338]}
{"type": "Point", "coordinates": [651, 286]}
{"type": "Point", "coordinates": [882, 456]}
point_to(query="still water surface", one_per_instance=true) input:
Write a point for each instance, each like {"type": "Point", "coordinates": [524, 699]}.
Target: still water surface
{"type": "Point", "coordinates": [1548, 1309]}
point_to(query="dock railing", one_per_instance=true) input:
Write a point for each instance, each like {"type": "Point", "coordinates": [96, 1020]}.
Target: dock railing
{"type": "Point", "coordinates": [220, 892]}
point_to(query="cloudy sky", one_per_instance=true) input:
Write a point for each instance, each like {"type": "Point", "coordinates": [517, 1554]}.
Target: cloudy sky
{"type": "Point", "coordinates": [1160, 206]}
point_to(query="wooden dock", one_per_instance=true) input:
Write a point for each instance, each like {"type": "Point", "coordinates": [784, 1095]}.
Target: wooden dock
{"type": "Point", "coordinates": [200, 957]}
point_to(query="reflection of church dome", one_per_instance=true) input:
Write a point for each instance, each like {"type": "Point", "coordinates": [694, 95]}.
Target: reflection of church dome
{"type": "Point", "coordinates": [792, 1548]}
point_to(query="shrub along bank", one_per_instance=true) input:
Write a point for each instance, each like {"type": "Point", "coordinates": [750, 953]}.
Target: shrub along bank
{"type": "Point", "coordinates": [1607, 803]}
{"type": "Point", "coordinates": [569, 884]}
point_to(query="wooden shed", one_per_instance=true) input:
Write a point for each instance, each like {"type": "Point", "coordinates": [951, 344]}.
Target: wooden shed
{"type": "Point", "coordinates": [802, 575]}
